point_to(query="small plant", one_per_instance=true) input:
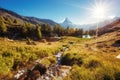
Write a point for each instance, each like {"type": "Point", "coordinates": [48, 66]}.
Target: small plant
{"type": "Point", "coordinates": [117, 75]}
{"type": "Point", "coordinates": [28, 41]}
{"type": "Point", "coordinates": [43, 40]}
{"type": "Point", "coordinates": [93, 64]}
{"type": "Point", "coordinates": [16, 64]}
{"type": "Point", "coordinates": [49, 43]}
{"type": "Point", "coordinates": [7, 54]}
{"type": "Point", "coordinates": [72, 59]}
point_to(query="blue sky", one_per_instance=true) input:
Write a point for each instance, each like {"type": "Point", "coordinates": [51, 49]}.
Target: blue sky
{"type": "Point", "coordinates": [76, 10]}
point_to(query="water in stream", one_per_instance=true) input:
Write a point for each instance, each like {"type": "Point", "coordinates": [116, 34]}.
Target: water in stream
{"type": "Point", "coordinates": [53, 72]}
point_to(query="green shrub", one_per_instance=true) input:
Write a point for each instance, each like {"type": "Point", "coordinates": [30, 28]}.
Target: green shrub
{"type": "Point", "coordinates": [93, 64]}
{"type": "Point", "coordinates": [75, 73]}
{"type": "Point", "coordinates": [52, 60]}
{"type": "Point", "coordinates": [4, 68]}
{"type": "Point", "coordinates": [7, 54]}
{"type": "Point", "coordinates": [72, 59]}
{"type": "Point", "coordinates": [16, 64]}
{"type": "Point", "coordinates": [46, 62]}
{"type": "Point", "coordinates": [80, 73]}
{"type": "Point", "coordinates": [32, 57]}
{"type": "Point", "coordinates": [117, 75]}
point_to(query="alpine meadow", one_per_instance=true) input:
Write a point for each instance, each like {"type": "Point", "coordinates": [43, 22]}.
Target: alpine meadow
{"type": "Point", "coordinates": [59, 40]}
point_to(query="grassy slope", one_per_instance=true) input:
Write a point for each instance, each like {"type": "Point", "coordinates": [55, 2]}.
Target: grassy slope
{"type": "Point", "coordinates": [88, 64]}
{"type": "Point", "coordinates": [17, 54]}
{"type": "Point", "coordinates": [94, 63]}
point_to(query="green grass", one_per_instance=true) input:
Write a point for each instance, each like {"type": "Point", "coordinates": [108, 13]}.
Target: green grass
{"type": "Point", "coordinates": [17, 54]}
{"type": "Point", "coordinates": [86, 63]}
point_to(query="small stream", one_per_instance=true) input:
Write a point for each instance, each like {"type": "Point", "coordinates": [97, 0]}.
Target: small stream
{"type": "Point", "coordinates": [53, 72]}
{"type": "Point", "coordinates": [59, 55]}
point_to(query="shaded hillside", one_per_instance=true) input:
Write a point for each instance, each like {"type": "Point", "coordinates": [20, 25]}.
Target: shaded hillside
{"type": "Point", "coordinates": [33, 20]}
{"type": "Point", "coordinates": [38, 20]}
{"type": "Point", "coordinates": [113, 26]}
{"type": "Point", "coordinates": [15, 26]}
{"type": "Point", "coordinates": [109, 39]}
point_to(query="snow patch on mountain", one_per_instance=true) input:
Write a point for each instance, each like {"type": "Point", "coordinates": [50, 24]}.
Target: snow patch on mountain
{"type": "Point", "coordinates": [68, 23]}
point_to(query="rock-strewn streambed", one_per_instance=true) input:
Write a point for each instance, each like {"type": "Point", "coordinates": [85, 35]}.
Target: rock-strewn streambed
{"type": "Point", "coordinates": [40, 72]}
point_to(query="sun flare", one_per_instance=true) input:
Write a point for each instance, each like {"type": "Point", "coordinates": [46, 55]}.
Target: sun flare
{"type": "Point", "coordinates": [99, 12]}
{"type": "Point", "coordinates": [100, 9]}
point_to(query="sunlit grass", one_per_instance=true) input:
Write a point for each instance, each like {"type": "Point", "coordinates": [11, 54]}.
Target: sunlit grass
{"type": "Point", "coordinates": [17, 54]}
{"type": "Point", "coordinates": [95, 65]}
{"type": "Point", "coordinates": [86, 63]}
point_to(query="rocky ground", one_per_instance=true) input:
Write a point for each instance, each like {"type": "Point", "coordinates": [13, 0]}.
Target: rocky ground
{"type": "Point", "coordinates": [41, 72]}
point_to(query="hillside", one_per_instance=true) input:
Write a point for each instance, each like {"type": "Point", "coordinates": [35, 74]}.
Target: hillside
{"type": "Point", "coordinates": [97, 58]}
{"type": "Point", "coordinates": [33, 20]}
{"type": "Point", "coordinates": [87, 26]}
{"type": "Point", "coordinates": [85, 58]}
{"type": "Point", "coordinates": [15, 26]}
{"type": "Point", "coordinates": [108, 42]}
{"type": "Point", "coordinates": [108, 39]}
{"type": "Point", "coordinates": [113, 26]}
{"type": "Point", "coordinates": [59, 39]}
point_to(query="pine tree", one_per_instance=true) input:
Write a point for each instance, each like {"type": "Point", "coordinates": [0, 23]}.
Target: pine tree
{"type": "Point", "coordinates": [2, 18]}
{"type": "Point", "coordinates": [39, 34]}
{"type": "Point", "coordinates": [10, 21]}
{"type": "Point", "coordinates": [46, 29]}
{"type": "Point", "coordinates": [15, 21]}
{"type": "Point", "coordinates": [24, 28]}
{"type": "Point", "coordinates": [92, 32]}
{"type": "Point", "coordinates": [3, 27]}
{"type": "Point", "coordinates": [57, 29]}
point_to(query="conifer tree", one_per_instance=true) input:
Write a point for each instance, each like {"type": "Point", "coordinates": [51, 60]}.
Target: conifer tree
{"type": "Point", "coordinates": [2, 18]}
{"type": "Point", "coordinates": [3, 27]}
{"type": "Point", "coordinates": [15, 21]}
{"type": "Point", "coordinates": [39, 34]}
{"type": "Point", "coordinates": [10, 21]}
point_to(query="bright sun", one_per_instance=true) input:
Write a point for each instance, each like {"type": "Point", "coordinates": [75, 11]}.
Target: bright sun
{"type": "Point", "coordinates": [100, 9]}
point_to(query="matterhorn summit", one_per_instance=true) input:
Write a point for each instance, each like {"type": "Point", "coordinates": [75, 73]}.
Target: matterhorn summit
{"type": "Point", "coordinates": [67, 22]}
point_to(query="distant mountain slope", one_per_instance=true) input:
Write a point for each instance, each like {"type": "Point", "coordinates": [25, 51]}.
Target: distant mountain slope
{"type": "Point", "coordinates": [108, 40]}
{"type": "Point", "coordinates": [86, 26]}
{"type": "Point", "coordinates": [113, 26]}
{"type": "Point", "coordinates": [33, 20]}
{"type": "Point", "coordinates": [38, 20]}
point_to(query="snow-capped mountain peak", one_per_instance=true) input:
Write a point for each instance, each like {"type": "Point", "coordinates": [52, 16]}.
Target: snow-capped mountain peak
{"type": "Point", "coordinates": [67, 22]}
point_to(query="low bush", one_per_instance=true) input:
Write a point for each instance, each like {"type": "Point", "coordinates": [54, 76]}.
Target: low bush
{"type": "Point", "coordinates": [43, 40]}
{"type": "Point", "coordinates": [72, 59]}
{"type": "Point", "coordinates": [93, 64]}
{"type": "Point", "coordinates": [117, 75]}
